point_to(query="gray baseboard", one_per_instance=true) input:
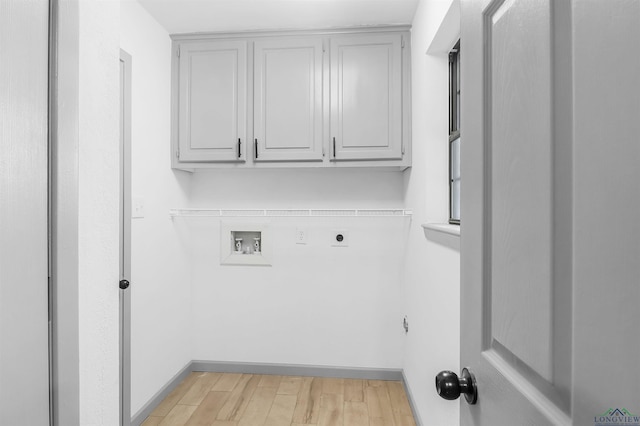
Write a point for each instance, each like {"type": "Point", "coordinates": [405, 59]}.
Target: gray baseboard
{"type": "Point", "coordinates": [274, 369]}
{"type": "Point", "coordinates": [412, 404]}
{"type": "Point", "coordinates": [143, 413]}
{"type": "Point", "coordinates": [298, 370]}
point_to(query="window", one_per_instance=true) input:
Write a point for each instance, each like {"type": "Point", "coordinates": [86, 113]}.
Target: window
{"type": "Point", "coordinates": [454, 134]}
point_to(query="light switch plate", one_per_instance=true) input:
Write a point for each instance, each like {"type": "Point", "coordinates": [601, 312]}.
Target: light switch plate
{"type": "Point", "coordinates": [137, 207]}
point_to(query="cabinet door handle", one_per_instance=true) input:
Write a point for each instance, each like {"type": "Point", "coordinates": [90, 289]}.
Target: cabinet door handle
{"type": "Point", "coordinates": [239, 144]}
{"type": "Point", "coordinates": [255, 147]}
{"type": "Point", "coordinates": [334, 147]}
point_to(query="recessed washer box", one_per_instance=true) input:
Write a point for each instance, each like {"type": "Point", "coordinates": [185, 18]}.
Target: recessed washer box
{"type": "Point", "coordinates": [244, 244]}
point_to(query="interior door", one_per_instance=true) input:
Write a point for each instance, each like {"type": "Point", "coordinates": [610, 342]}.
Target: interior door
{"type": "Point", "coordinates": [24, 330]}
{"type": "Point", "coordinates": [548, 300]}
{"type": "Point", "coordinates": [513, 275]}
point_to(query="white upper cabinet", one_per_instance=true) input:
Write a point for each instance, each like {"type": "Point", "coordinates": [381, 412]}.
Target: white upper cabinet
{"type": "Point", "coordinates": [288, 99]}
{"type": "Point", "coordinates": [366, 97]}
{"type": "Point", "coordinates": [331, 99]}
{"type": "Point", "coordinates": [213, 101]}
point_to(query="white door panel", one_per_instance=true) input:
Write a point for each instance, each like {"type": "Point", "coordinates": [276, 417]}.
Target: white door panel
{"type": "Point", "coordinates": [24, 360]}
{"type": "Point", "coordinates": [525, 322]}
{"type": "Point", "coordinates": [508, 241]}
{"type": "Point", "coordinates": [606, 198]}
{"type": "Point", "coordinates": [519, 145]}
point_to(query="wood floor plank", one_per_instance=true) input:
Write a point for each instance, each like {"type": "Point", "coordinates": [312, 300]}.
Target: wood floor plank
{"type": "Point", "coordinates": [405, 421]}
{"type": "Point", "coordinates": [354, 390]}
{"type": "Point", "coordinates": [380, 405]}
{"type": "Point", "coordinates": [152, 421]}
{"type": "Point", "coordinates": [239, 398]}
{"type": "Point", "coordinates": [355, 414]}
{"type": "Point", "coordinates": [333, 386]}
{"type": "Point", "coordinates": [281, 412]}
{"type": "Point", "coordinates": [227, 382]}
{"type": "Point", "coordinates": [200, 388]}
{"type": "Point", "coordinates": [308, 406]}
{"type": "Point", "coordinates": [387, 407]}
{"type": "Point", "coordinates": [178, 416]}
{"type": "Point", "coordinates": [176, 395]}
{"type": "Point", "coordinates": [208, 409]}
{"type": "Point", "coordinates": [331, 410]}
{"type": "Point", "coordinates": [373, 402]}
{"type": "Point", "coordinates": [399, 400]}
{"type": "Point", "coordinates": [258, 408]}
{"type": "Point", "coordinates": [290, 385]}
{"type": "Point", "coordinates": [217, 399]}
{"type": "Point", "coordinates": [268, 381]}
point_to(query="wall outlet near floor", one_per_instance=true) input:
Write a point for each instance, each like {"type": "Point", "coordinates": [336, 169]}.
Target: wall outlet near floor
{"type": "Point", "coordinates": [340, 238]}
{"type": "Point", "coordinates": [301, 236]}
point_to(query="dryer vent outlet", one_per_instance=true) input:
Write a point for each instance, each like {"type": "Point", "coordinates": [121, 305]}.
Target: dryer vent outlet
{"type": "Point", "coordinates": [340, 238]}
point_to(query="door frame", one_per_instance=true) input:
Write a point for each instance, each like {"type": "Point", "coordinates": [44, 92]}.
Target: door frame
{"type": "Point", "coordinates": [125, 237]}
{"type": "Point", "coordinates": [64, 89]}
{"type": "Point", "coordinates": [52, 126]}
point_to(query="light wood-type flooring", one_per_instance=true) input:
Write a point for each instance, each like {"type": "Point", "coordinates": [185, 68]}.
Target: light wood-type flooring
{"type": "Point", "coordinates": [225, 399]}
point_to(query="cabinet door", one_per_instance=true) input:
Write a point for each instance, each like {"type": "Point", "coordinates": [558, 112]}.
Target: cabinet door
{"type": "Point", "coordinates": [366, 97]}
{"type": "Point", "coordinates": [213, 101]}
{"type": "Point", "coordinates": [288, 99]}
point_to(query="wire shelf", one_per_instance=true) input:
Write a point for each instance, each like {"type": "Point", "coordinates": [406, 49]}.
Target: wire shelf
{"type": "Point", "coordinates": [289, 213]}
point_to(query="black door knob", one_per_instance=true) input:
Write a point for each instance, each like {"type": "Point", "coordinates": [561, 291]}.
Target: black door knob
{"type": "Point", "coordinates": [124, 284]}
{"type": "Point", "coordinates": [449, 386]}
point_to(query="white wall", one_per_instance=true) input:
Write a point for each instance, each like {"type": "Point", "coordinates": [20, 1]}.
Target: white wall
{"type": "Point", "coordinates": [317, 304]}
{"type": "Point", "coordinates": [160, 273]}
{"type": "Point", "coordinates": [98, 212]}
{"type": "Point", "coordinates": [298, 188]}
{"type": "Point", "coordinates": [431, 269]}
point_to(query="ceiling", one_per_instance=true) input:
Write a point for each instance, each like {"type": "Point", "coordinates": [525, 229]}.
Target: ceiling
{"type": "Point", "coordinates": [188, 16]}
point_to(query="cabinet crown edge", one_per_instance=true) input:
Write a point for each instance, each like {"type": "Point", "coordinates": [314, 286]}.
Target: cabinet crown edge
{"type": "Point", "coordinates": [289, 32]}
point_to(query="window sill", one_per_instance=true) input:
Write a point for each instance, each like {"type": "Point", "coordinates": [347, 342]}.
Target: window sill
{"type": "Point", "coordinates": [444, 228]}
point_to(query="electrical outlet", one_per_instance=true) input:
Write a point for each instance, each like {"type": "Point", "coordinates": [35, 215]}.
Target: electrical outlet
{"type": "Point", "coordinates": [301, 236]}
{"type": "Point", "coordinates": [340, 238]}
